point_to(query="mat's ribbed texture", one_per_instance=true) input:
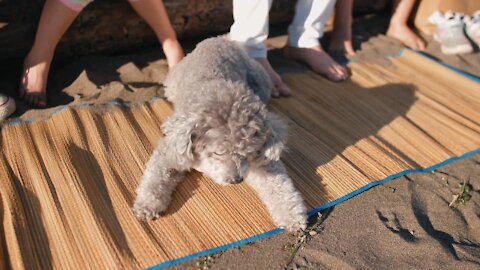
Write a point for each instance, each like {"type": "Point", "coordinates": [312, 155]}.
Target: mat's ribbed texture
{"type": "Point", "coordinates": [67, 184]}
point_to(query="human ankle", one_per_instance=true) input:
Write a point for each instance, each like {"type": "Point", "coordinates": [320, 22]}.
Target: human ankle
{"type": "Point", "coordinates": [169, 41]}
{"type": "Point", "coordinates": [171, 45]}
{"type": "Point", "coordinates": [396, 23]}
{"type": "Point", "coordinates": [39, 56]}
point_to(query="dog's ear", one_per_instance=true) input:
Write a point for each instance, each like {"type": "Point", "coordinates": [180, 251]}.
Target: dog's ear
{"type": "Point", "coordinates": [277, 139]}
{"type": "Point", "coordinates": [180, 131]}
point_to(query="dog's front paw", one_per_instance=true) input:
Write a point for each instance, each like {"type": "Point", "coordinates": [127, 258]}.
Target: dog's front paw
{"type": "Point", "coordinates": [293, 223]}
{"type": "Point", "coordinates": [148, 209]}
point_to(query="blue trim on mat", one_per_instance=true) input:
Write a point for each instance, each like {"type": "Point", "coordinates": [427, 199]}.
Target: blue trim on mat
{"type": "Point", "coordinates": [389, 178]}
{"type": "Point", "coordinates": [456, 70]}
{"type": "Point", "coordinates": [216, 249]}
{"type": "Point", "coordinates": [426, 55]}
{"type": "Point", "coordinates": [81, 105]}
{"type": "Point", "coordinates": [398, 54]}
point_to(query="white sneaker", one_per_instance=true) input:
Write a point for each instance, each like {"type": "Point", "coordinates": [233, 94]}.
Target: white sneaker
{"type": "Point", "coordinates": [449, 33]}
{"type": "Point", "coordinates": [7, 106]}
{"type": "Point", "coordinates": [472, 27]}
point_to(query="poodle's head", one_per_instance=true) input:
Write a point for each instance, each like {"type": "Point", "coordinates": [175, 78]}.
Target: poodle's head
{"type": "Point", "coordinates": [225, 138]}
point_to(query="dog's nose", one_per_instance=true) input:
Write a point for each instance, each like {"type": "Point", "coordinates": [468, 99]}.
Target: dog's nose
{"type": "Point", "coordinates": [234, 180]}
{"type": "Point", "coordinates": [238, 179]}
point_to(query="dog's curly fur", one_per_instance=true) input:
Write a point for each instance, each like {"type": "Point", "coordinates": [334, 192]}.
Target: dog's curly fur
{"type": "Point", "coordinates": [221, 127]}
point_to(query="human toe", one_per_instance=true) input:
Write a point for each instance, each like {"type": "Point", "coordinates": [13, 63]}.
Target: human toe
{"type": "Point", "coordinates": [284, 90]}
{"type": "Point", "coordinates": [349, 50]}
{"type": "Point", "coordinates": [333, 75]}
{"type": "Point", "coordinates": [342, 71]}
{"type": "Point", "coordinates": [28, 98]}
{"type": "Point", "coordinates": [275, 92]}
{"type": "Point", "coordinates": [336, 73]}
{"type": "Point", "coordinates": [421, 45]}
{"type": "Point", "coordinates": [41, 101]}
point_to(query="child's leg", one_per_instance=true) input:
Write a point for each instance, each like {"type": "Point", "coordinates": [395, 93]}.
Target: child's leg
{"type": "Point", "coordinates": [398, 27]}
{"type": "Point", "coordinates": [250, 28]}
{"type": "Point", "coordinates": [154, 13]}
{"type": "Point", "coordinates": [303, 34]}
{"type": "Point", "coordinates": [57, 15]}
{"type": "Point", "coordinates": [341, 41]}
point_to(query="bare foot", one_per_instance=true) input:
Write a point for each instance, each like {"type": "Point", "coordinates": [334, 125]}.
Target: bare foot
{"type": "Point", "coordinates": [318, 60]}
{"type": "Point", "coordinates": [173, 51]}
{"type": "Point", "coordinates": [341, 42]}
{"type": "Point", "coordinates": [405, 35]}
{"type": "Point", "coordinates": [279, 87]}
{"type": "Point", "coordinates": [33, 84]}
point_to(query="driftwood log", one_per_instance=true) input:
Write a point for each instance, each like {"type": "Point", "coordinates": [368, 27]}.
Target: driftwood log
{"type": "Point", "coordinates": [108, 26]}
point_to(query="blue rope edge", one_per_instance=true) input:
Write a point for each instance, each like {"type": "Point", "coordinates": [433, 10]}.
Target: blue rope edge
{"type": "Point", "coordinates": [82, 105]}
{"type": "Point", "coordinates": [456, 70]}
{"type": "Point", "coordinates": [216, 249]}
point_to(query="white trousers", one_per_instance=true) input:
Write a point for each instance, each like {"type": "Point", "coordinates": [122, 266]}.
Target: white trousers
{"type": "Point", "coordinates": [250, 25]}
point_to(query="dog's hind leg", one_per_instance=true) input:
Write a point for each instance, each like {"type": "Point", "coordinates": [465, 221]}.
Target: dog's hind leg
{"type": "Point", "coordinates": [278, 193]}
{"type": "Point", "coordinates": [161, 176]}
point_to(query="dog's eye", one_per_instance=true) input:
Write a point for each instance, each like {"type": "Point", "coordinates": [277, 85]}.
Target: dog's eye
{"type": "Point", "coordinates": [220, 153]}
{"type": "Point", "coordinates": [258, 153]}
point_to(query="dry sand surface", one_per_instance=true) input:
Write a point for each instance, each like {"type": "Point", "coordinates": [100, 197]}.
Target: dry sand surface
{"type": "Point", "coordinates": [405, 223]}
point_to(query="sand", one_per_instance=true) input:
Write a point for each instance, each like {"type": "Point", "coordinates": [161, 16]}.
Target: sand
{"type": "Point", "coordinates": [405, 223]}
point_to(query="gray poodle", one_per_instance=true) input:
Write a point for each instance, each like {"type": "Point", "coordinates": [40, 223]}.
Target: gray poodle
{"type": "Point", "coordinates": [221, 127]}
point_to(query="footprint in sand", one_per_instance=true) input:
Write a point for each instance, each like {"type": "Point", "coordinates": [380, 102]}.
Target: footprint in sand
{"type": "Point", "coordinates": [392, 222]}
{"type": "Point", "coordinates": [310, 258]}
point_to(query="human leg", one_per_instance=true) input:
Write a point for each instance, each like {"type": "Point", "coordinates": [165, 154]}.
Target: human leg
{"type": "Point", "coordinates": [155, 14]}
{"type": "Point", "coordinates": [341, 41]}
{"type": "Point", "coordinates": [250, 28]}
{"type": "Point", "coordinates": [303, 38]}
{"type": "Point", "coordinates": [57, 15]}
{"type": "Point", "coordinates": [398, 27]}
